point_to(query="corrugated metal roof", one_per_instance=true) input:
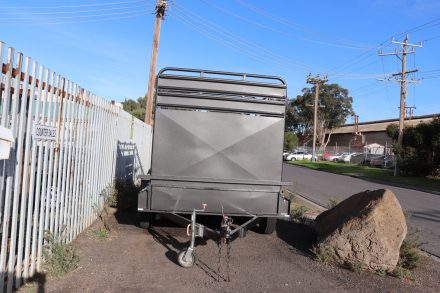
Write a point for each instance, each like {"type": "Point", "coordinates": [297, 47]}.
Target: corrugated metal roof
{"type": "Point", "coordinates": [381, 125]}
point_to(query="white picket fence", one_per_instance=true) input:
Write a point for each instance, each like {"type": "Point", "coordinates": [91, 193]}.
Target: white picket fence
{"type": "Point", "coordinates": [53, 178]}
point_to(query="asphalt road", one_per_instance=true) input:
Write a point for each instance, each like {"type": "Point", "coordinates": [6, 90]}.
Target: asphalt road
{"type": "Point", "coordinates": [319, 187]}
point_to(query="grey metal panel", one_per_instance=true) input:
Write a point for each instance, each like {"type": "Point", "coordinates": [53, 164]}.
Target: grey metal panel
{"type": "Point", "coordinates": [229, 105]}
{"type": "Point", "coordinates": [232, 202]}
{"type": "Point", "coordinates": [211, 84]}
{"type": "Point", "coordinates": [217, 145]}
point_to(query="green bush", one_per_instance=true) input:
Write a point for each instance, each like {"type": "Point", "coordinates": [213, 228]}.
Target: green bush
{"type": "Point", "coordinates": [324, 254]}
{"type": "Point", "coordinates": [298, 213]}
{"type": "Point", "coordinates": [402, 273]}
{"type": "Point", "coordinates": [419, 153]}
{"type": "Point", "coordinates": [59, 258]}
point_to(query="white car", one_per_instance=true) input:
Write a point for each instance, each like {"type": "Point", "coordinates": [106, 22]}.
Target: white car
{"type": "Point", "coordinates": [345, 158]}
{"type": "Point", "coordinates": [296, 156]}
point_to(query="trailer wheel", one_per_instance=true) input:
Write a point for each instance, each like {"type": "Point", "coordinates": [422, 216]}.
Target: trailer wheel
{"type": "Point", "coordinates": [267, 225]}
{"type": "Point", "coordinates": [145, 220]}
{"type": "Point", "coordinates": [188, 261]}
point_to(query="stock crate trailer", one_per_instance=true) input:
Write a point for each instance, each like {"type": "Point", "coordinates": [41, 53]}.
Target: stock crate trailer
{"type": "Point", "coordinates": [217, 150]}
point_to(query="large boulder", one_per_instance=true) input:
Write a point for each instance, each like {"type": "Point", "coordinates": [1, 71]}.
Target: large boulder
{"type": "Point", "coordinates": [367, 228]}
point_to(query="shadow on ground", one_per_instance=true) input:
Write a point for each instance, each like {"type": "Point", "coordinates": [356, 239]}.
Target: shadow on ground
{"type": "Point", "coordinates": [35, 284]}
{"type": "Point", "coordinates": [298, 236]}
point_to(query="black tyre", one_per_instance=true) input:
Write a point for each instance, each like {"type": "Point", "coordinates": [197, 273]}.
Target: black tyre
{"type": "Point", "coordinates": [267, 225]}
{"type": "Point", "coordinates": [145, 220]}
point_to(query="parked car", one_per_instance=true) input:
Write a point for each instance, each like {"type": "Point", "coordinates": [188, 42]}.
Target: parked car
{"type": "Point", "coordinates": [382, 161]}
{"type": "Point", "coordinates": [296, 156]}
{"type": "Point", "coordinates": [333, 158]}
{"type": "Point", "coordinates": [363, 159]}
{"type": "Point", "coordinates": [285, 154]}
{"type": "Point", "coordinates": [346, 157]}
{"type": "Point", "coordinates": [325, 155]}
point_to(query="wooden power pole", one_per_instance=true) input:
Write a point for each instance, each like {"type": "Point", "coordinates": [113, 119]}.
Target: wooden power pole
{"type": "Point", "coordinates": [401, 78]}
{"type": "Point", "coordinates": [160, 12]}
{"type": "Point", "coordinates": [316, 81]}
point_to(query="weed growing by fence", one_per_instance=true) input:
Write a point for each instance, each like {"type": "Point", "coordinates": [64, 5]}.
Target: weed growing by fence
{"type": "Point", "coordinates": [101, 233]}
{"type": "Point", "coordinates": [59, 258]}
{"type": "Point", "coordinates": [109, 197]}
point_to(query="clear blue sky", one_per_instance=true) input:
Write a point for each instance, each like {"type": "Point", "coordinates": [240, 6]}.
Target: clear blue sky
{"type": "Point", "coordinates": [105, 45]}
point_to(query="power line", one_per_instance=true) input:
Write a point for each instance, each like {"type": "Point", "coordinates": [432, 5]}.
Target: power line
{"type": "Point", "coordinates": [77, 21]}
{"type": "Point", "coordinates": [72, 6]}
{"type": "Point", "coordinates": [299, 27]}
{"type": "Point", "coordinates": [237, 40]}
{"type": "Point", "coordinates": [77, 11]}
{"type": "Point", "coordinates": [371, 52]}
{"type": "Point", "coordinates": [230, 44]}
{"type": "Point", "coordinates": [75, 16]}
{"type": "Point", "coordinates": [426, 25]}
{"type": "Point", "coordinates": [280, 31]}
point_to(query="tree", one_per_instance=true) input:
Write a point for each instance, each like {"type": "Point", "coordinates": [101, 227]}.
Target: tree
{"type": "Point", "coordinates": [290, 141]}
{"type": "Point", "coordinates": [419, 153]}
{"type": "Point", "coordinates": [335, 106]}
{"type": "Point", "coordinates": [136, 108]}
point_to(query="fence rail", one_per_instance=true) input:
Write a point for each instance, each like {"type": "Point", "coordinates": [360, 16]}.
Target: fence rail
{"type": "Point", "coordinates": [54, 176]}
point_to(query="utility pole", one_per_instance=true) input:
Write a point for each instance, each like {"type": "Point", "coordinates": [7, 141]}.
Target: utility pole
{"type": "Point", "coordinates": [403, 80]}
{"type": "Point", "coordinates": [161, 6]}
{"type": "Point", "coordinates": [401, 77]}
{"type": "Point", "coordinates": [316, 81]}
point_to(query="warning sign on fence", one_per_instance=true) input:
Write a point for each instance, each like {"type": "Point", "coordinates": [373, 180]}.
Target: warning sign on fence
{"type": "Point", "coordinates": [43, 132]}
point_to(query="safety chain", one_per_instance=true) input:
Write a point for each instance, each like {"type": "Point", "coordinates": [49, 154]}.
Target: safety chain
{"type": "Point", "coordinates": [225, 236]}
{"type": "Point", "coordinates": [219, 244]}
{"type": "Point", "coordinates": [228, 258]}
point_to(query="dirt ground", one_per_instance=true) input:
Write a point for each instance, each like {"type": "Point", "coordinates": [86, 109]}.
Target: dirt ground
{"type": "Point", "coordinates": [137, 260]}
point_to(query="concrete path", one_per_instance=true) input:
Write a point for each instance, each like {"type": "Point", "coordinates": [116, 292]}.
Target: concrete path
{"type": "Point", "coordinates": [318, 186]}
